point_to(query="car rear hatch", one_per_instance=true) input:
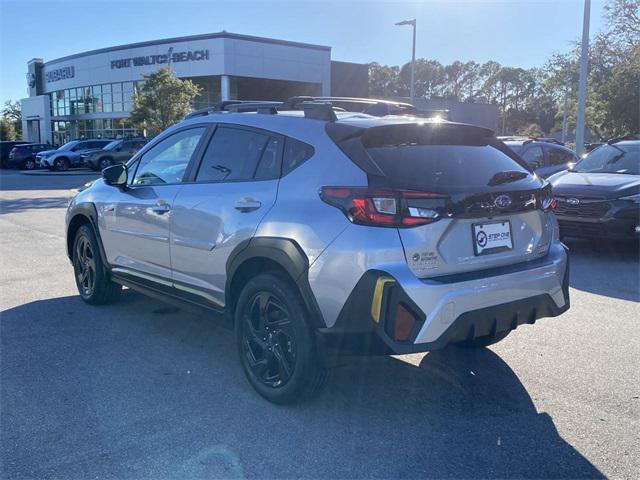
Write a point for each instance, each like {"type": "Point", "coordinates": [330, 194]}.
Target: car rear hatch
{"type": "Point", "coordinates": [480, 206]}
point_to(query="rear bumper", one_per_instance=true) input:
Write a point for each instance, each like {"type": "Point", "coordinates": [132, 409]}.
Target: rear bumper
{"type": "Point", "coordinates": [450, 310]}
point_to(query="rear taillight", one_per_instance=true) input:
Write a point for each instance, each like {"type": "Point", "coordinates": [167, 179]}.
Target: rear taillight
{"type": "Point", "coordinates": [385, 208]}
{"type": "Point", "coordinates": [546, 199]}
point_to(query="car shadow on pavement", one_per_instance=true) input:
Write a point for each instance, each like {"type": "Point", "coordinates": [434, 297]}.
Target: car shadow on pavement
{"type": "Point", "coordinates": [606, 268]}
{"type": "Point", "coordinates": [138, 389]}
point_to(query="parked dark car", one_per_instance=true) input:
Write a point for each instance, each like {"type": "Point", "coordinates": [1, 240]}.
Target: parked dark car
{"type": "Point", "coordinates": [24, 156]}
{"type": "Point", "coordinates": [544, 157]}
{"type": "Point", "coordinates": [118, 151]}
{"type": "Point", "coordinates": [5, 148]}
{"type": "Point", "coordinates": [600, 196]}
{"type": "Point", "coordinates": [68, 155]}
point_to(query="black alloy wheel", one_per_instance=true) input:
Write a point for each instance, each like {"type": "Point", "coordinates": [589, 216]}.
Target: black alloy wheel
{"type": "Point", "coordinates": [29, 164]}
{"type": "Point", "coordinates": [92, 278]}
{"type": "Point", "coordinates": [84, 262]}
{"type": "Point", "coordinates": [269, 340]}
{"type": "Point", "coordinates": [276, 340]}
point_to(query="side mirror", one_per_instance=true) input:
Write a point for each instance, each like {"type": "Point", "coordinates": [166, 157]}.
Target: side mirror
{"type": "Point", "coordinates": [115, 175]}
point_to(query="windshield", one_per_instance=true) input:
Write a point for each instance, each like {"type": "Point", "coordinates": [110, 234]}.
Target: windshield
{"type": "Point", "coordinates": [611, 159]}
{"type": "Point", "coordinates": [68, 145]}
{"type": "Point", "coordinates": [112, 145]}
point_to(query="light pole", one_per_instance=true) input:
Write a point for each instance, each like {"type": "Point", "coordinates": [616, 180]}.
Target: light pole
{"type": "Point", "coordinates": [413, 54]}
{"type": "Point", "coordinates": [582, 86]}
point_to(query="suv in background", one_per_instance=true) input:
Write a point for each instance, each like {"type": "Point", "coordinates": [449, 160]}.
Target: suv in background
{"type": "Point", "coordinates": [599, 197]}
{"type": "Point", "coordinates": [5, 150]}
{"type": "Point", "coordinates": [544, 157]}
{"type": "Point", "coordinates": [24, 156]}
{"type": "Point", "coordinates": [317, 230]}
{"type": "Point", "coordinates": [69, 154]}
{"type": "Point", "coordinates": [118, 151]}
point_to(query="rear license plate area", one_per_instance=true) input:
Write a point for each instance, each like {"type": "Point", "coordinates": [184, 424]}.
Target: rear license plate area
{"type": "Point", "coordinates": [492, 237]}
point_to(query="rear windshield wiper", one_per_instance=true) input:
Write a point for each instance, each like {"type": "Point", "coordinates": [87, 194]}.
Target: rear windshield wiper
{"type": "Point", "coordinates": [506, 177]}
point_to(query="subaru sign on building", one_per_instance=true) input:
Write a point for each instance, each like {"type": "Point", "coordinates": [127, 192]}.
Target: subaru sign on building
{"type": "Point", "coordinates": [90, 94]}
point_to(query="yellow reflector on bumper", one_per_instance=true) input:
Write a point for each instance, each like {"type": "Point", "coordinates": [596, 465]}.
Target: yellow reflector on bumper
{"type": "Point", "coordinates": [376, 303]}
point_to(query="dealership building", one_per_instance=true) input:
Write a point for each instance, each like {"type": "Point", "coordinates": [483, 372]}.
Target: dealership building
{"type": "Point", "coordinates": [90, 94]}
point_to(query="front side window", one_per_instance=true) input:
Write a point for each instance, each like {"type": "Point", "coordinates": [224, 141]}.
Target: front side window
{"type": "Point", "coordinates": [167, 161]}
{"type": "Point", "coordinates": [232, 154]}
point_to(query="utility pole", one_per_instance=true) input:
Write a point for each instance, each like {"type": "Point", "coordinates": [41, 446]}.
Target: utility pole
{"type": "Point", "coordinates": [413, 57]}
{"type": "Point", "coordinates": [564, 114]}
{"type": "Point", "coordinates": [582, 86]}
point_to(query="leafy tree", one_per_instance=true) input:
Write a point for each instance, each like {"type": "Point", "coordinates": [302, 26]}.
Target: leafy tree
{"type": "Point", "coordinates": [7, 130]}
{"type": "Point", "coordinates": [531, 130]}
{"type": "Point", "coordinates": [430, 79]}
{"type": "Point", "coordinates": [163, 100]}
{"type": "Point", "coordinates": [623, 18]}
{"type": "Point", "coordinates": [12, 115]}
{"type": "Point", "coordinates": [383, 80]}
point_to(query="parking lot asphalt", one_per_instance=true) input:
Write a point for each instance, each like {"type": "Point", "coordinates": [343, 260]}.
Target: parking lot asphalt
{"type": "Point", "coordinates": [142, 390]}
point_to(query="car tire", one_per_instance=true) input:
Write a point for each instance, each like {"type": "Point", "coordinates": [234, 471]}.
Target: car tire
{"type": "Point", "coordinates": [485, 341]}
{"type": "Point", "coordinates": [104, 163]}
{"type": "Point", "coordinates": [275, 341]}
{"type": "Point", "coordinates": [92, 279]}
{"type": "Point", "coordinates": [29, 164]}
{"type": "Point", "coordinates": [61, 164]}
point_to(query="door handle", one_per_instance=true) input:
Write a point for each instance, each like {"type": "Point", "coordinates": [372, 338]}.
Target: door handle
{"type": "Point", "coordinates": [161, 207]}
{"type": "Point", "coordinates": [247, 205]}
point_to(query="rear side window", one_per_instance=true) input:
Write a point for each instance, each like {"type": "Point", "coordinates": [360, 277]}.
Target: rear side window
{"type": "Point", "coordinates": [295, 154]}
{"type": "Point", "coordinates": [232, 154]}
{"type": "Point", "coordinates": [269, 166]}
{"type": "Point", "coordinates": [558, 156]}
{"type": "Point", "coordinates": [534, 157]}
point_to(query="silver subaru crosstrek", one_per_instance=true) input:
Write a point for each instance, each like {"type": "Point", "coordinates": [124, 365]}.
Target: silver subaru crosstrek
{"type": "Point", "coordinates": [317, 230]}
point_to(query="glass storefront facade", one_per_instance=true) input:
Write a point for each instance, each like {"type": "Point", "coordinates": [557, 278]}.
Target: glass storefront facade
{"type": "Point", "coordinates": [109, 97]}
{"type": "Point", "coordinates": [102, 111]}
{"type": "Point", "coordinates": [65, 130]}
{"type": "Point", "coordinates": [115, 98]}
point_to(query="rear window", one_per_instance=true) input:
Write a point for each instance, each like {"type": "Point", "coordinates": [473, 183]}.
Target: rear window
{"type": "Point", "coordinates": [441, 167]}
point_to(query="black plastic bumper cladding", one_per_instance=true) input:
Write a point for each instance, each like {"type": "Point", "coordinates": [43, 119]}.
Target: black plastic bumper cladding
{"type": "Point", "coordinates": [355, 331]}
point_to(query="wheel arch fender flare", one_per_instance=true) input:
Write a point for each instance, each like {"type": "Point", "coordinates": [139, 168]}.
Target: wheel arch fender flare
{"type": "Point", "coordinates": [285, 252]}
{"type": "Point", "coordinates": [81, 214]}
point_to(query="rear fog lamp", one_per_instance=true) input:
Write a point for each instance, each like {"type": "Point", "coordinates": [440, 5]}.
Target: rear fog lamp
{"type": "Point", "coordinates": [403, 324]}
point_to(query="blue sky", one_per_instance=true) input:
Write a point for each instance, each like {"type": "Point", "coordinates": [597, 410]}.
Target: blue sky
{"type": "Point", "coordinates": [519, 33]}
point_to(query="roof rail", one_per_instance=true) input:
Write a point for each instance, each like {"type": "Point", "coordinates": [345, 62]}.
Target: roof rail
{"type": "Point", "coordinates": [372, 106]}
{"type": "Point", "coordinates": [319, 111]}
{"type": "Point", "coordinates": [254, 106]}
{"type": "Point", "coordinates": [229, 105]}
{"type": "Point", "coordinates": [633, 136]}
{"type": "Point", "coordinates": [319, 108]}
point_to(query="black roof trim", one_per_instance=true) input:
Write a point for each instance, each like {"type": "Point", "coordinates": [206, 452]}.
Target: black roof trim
{"type": "Point", "coordinates": [188, 38]}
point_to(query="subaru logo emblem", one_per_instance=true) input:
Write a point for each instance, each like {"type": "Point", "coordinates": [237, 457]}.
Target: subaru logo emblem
{"type": "Point", "coordinates": [502, 201]}
{"type": "Point", "coordinates": [573, 201]}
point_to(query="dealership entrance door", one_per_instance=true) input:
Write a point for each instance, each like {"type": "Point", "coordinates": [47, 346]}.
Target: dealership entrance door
{"type": "Point", "coordinates": [33, 131]}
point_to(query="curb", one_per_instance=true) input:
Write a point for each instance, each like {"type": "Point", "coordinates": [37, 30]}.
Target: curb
{"type": "Point", "coordinates": [45, 173]}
